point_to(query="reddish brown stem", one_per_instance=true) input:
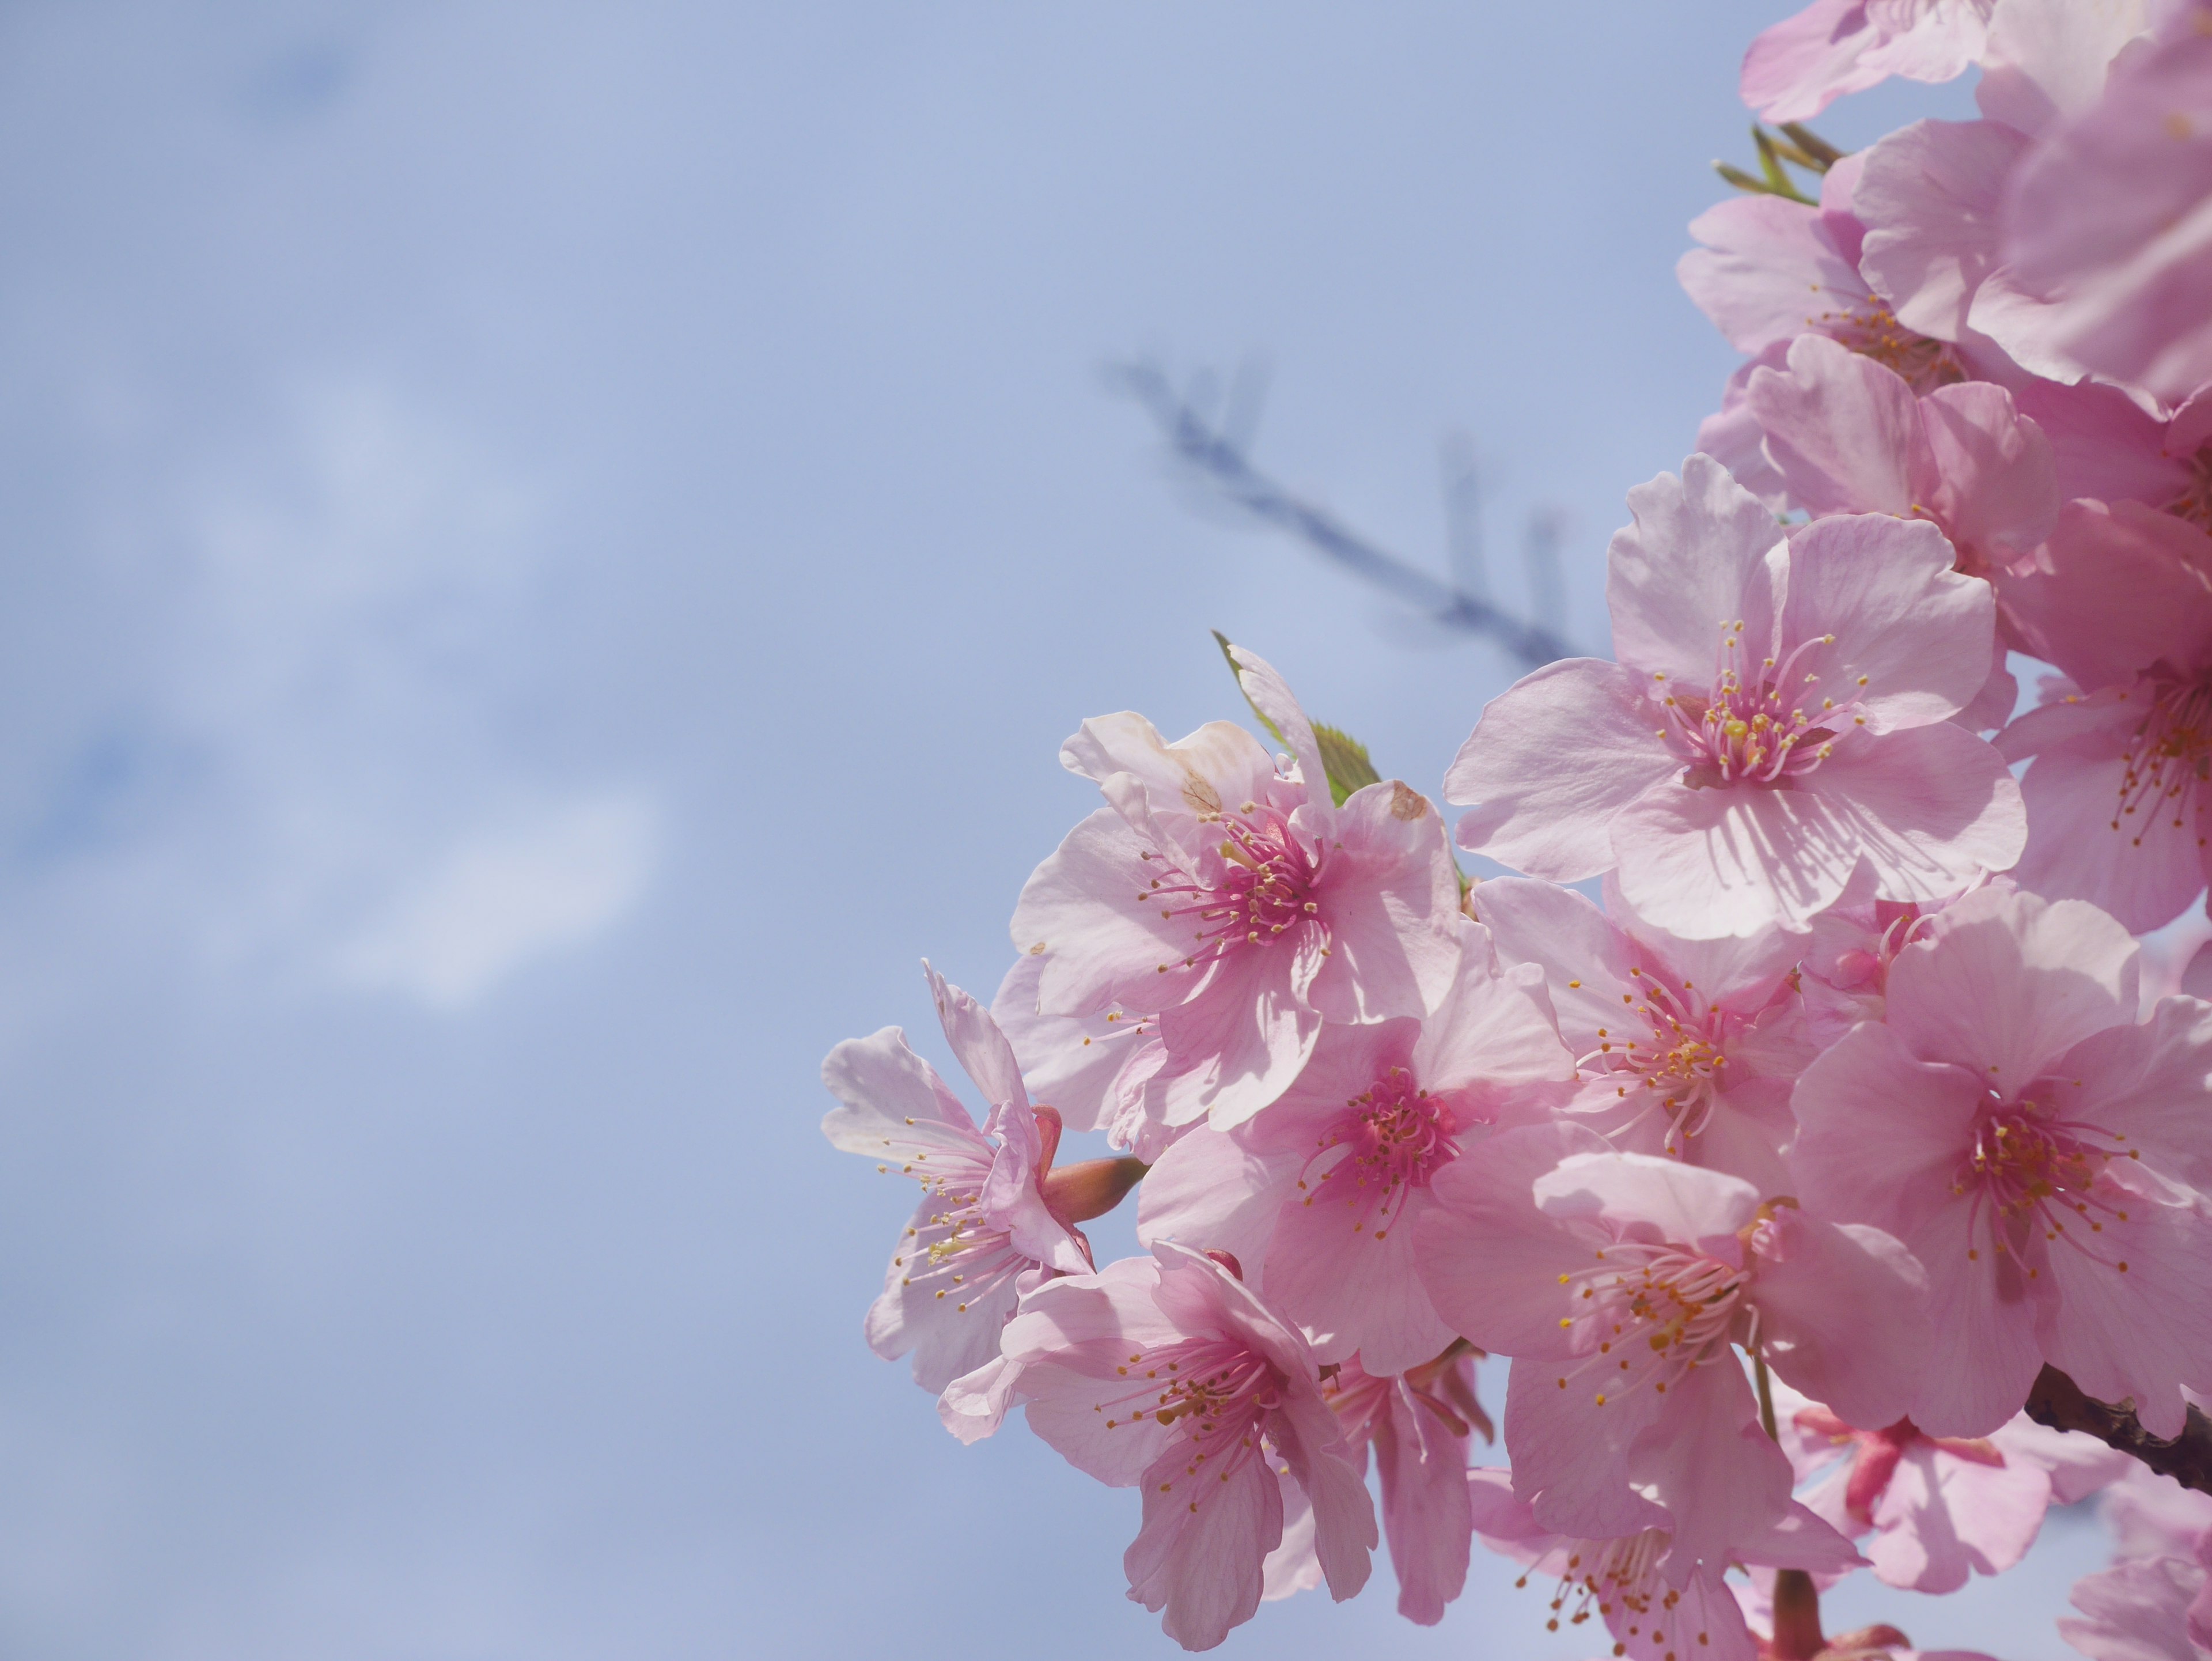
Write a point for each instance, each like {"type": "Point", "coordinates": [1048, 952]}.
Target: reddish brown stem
{"type": "Point", "coordinates": [2057, 1401]}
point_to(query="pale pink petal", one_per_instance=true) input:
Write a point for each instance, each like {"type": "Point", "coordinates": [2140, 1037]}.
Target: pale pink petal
{"type": "Point", "coordinates": [1390, 895]}
{"type": "Point", "coordinates": [1942, 1518]}
{"type": "Point", "coordinates": [1198, 1554]}
{"type": "Point", "coordinates": [977, 1041]}
{"type": "Point", "coordinates": [1710, 1463]}
{"type": "Point", "coordinates": [1735, 861]}
{"type": "Point", "coordinates": [1910, 636]}
{"type": "Point", "coordinates": [1770, 270]}
{"type": "Point", "coordinates": [1584, 958]}
{"type": "Point", "coordinates": [1985, 1353]}
{"type": "Point", "coordinates": [1845, 432]}
{"type": "Point", "coordinates": [1552, 757]}
{"type": "Point", "coordinates": [952, 1328]}
{"type": "Point", "coordinates": [2138, 1611]}
{"type": "Point", "coordinates": [1292, 1567]}
{"type": "Point", "coordinates": [1083, 914]}
{"type": "Point", "coordinates": [2046, 60]}
{"type": "Point", "coordinates": [1930, 809]}
{"type": "Point", "coordinates": [1570, 1458]}
{"type": "Point", "coordinates": [1210, 1193]}
{"type": "Point", "coordinates": [1683, 1203]}
{"type": "Point", "coordinates": [1696, 557]}
{"type": "Point", "coordinates": [1072, 1063]}
{"type": "Point", "coordinates": [1798, 67]}
{"type": "Point", "coordinates": [1929, 197]}
{"type": "Point", "coordinates": [2145, 1330]}
{"type": "Point", "coordinates": [1220, 763]}
{"type": "Point", "coordinates": [2088, 840]}
{"type": "Point", "coordinates": [1492, 1029]}
{"type": "Point", "coordinates": [1999, 489]}
{"type": "Point", "coordinates": [1353, 1289]}
{"type": "Point", "coordinates": [1842, 1314]}
{"type": "Point", "coordinates": [2147, 1081]}
{"type": "Point", "coordinates": [1246, 1041]}
{"type": "Point", "coordinates": [1071, 1337]}
{"type": "Point", "coordinates": [1491, 1261]}
{"type": "Point", "coordinates": [1881, 1132]}
{"type": "Point", "coordinates": [974, 1405]}
{"type": "Point", "coordinates": [2120, 589]}
{"type": "Point", "coordinates": [2103, 443]}
{"type": "Point", "coordinates": [2009, 983]}
{"type": "Point", "coordinates": [1345, 1535]}
{"type": "Point", "coordinates": [1426, 1515]}
{"type": "Point", "coordinates": [1271, 696]}
{"type": "Point", "coordinates": [894, 1104]}
{"type": "Point", "coordinates": [1732, 435]}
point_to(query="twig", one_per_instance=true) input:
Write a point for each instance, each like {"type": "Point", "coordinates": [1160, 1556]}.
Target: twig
{"type": "Point", "coordinates": [1222, 463]}
{"type": "Point", "coordinates": [2057, 1401]}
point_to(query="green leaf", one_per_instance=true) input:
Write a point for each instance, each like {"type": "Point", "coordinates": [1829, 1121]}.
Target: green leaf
{"type": "Point", "coordinates": [1345, 758]}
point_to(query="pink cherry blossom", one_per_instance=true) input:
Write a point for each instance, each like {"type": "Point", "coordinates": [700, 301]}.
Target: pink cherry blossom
{"type": "Point", "coordinates": [1686, 1047]}
{"type": "Point", "coordinates": [2119, 810]}
{"type": "Point", "coordinates": [1619, 1283]}
{"type": "Point", "coordinates": [2037, 1149]}
{"type": "Point", "coordinates": [1779, 716]}
{"type": "Point", "coordinates": [1095, 1067]}
{"type": "Point", "coordinates": [1420, 1424]}
{"type": "Point", "coordinates": [1770, 270]}
{"type": "Point", "coordinates": [1237, 908]}
{"type": "Point", "coordinates": [988, 1227]}
{"type": "Point", "coordinates": [1796, 68]}
{"type": "Point", "coordinates": [2112, 218]}
{"type": "Point", "coordinates": [1345, 1160]}
{"type": "Point", "coordinates": [1939, 1507]}
{"type": "Point", "coordinates": [1623, 1581]}
{"type": "Point", "coordinates": [1165, 1373]}
{"type": "Point", "coordinates": [2139, 1611]}
{"type": "Point", "coordinates": [2105, 445]}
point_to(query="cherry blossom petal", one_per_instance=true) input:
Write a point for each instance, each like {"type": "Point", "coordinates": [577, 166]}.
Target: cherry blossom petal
{"type": "Point", "coordinates": [1698, 553]}
{"type": "Point", "coordinates": [1929, 197]}
{"type": "Point", "coordinates": [1842, 1315]}
{"type": "Point", "coordinates": [1554, 758]}
{"type": "Point", "coordinates": [1845, 432]}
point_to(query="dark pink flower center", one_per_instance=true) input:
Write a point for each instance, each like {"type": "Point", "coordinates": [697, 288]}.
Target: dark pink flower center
{"type": "Point", "coordinates": [2167, 756]}
{"type": "Point", "coordinates": [1872, 330]}
{"type": "Point", "coordinates": [1765, 724]}
{"type": "Point", "coordinates": [1397, 1135]}
{"type": "Point", "coordinates": [1668, 1047]}
{"type": "Point", "coordinates": [1643, 1314]}
{"type": "Point", "coordinates": [2194, 503]}
{"type": "Point", "coordinates": [2030, 1170]}
{"type": "Point", "coordinates": [1257, 891]}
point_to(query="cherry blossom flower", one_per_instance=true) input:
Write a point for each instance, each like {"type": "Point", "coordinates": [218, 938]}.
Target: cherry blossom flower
{"type": "Point", "coordinates": [1419, 1424]}
{"type": "Point", "coordinates": [1797, 68]}
{"type": "Point", "coordinates": [1343, 1162]}
{"type": "Point", "coordinates": [2112, 217]}
{"type": "Point", "coordinates": [1237, 908]}
{"type": "Point", "coordinates": [1939, 1507]}
{"type": "Point", "coordinates": [2154, 1603]}
{"type": "Point", "coordinates": [1623, 1580]}
{"type": "Point", "coordinates": [2119, 810]}
{"type": "Point", "coordinates": [1166, 1373]}
{"type": "Point", "coordinates": [995, 1217]}
{"type": "Point", "coordinates": [1779, 717]}
{"type": "Point", "coordinates": [2037, 1149]}
{"type": "Point", "coordinates": [1617, 1283]}
{"type": "Point", "coordinates": [1686, 1047]}
{"type": "Point", "coordinates": [1770, 270]}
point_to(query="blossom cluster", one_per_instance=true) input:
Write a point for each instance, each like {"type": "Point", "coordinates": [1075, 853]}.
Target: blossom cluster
{"type": "Point", "coordinates": [1802, 1099]}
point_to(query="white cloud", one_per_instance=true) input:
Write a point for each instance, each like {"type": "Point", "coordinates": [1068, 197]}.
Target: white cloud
{"type": "Point", "coordinates": [499, 898]}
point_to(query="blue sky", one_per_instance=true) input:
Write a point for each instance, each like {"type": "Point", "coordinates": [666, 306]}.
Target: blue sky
{"type": "Point", "coordinates": [551, 550]}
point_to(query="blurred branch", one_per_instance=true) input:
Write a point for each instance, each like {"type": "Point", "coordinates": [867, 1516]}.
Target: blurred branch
{"type": "Point", "coordinates": [1214, 453]}
{"type": "Point", "coordinates": [2057, 1401]}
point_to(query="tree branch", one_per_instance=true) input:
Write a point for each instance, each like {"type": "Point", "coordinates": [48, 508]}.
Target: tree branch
{"type": "Point", "coordinates": [1222, 463]}
{"type": "Point", "coordinates": [2057, 1401]}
